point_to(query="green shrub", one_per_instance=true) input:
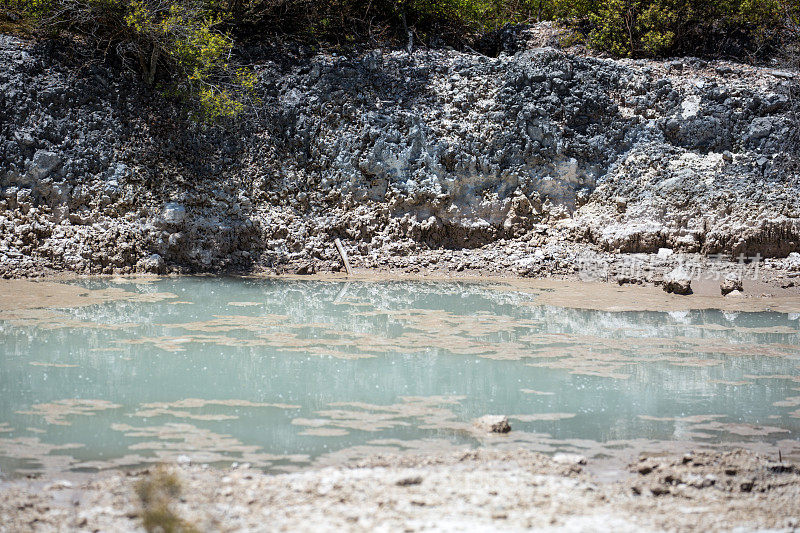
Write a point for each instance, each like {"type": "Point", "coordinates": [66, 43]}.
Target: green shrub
{"type": "Point", "coordinates": [187, 45]}
{"type": "Point", "coordinates": [177, 42]}
{"type": "Point", "coordinates": [647, 28]}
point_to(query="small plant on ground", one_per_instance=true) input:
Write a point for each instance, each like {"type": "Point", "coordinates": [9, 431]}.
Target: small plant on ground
{"type": "Point", "coordinates": [157, 492]}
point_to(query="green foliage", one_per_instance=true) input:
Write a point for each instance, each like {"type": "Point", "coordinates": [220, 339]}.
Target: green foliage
{"type": "Point", "coordinates": [186, 46]}
{"type": "Point", "coordinates": [632, 28]}
{"type": "Point", "coordinates": [477, 15]}
{"type": "Point", "coordinates": [615, 24]}
{"type": "Point", "coordinates": [637, 28]}
{"type": "Point", "coordinates": [176, 41]}
{"type": "Point", "coordinates": [33, 8]}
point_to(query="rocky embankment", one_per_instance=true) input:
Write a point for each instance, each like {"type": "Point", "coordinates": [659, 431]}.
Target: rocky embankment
{"type": "Point", "coordinates": [433, 159]}
{"type": "Point", "coordinates": [467, 491]}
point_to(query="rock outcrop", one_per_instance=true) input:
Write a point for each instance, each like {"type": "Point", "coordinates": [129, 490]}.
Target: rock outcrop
{"type": "Point", "coordinates": [396, 153]}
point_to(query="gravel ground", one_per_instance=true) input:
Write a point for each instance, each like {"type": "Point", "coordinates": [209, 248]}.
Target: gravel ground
{"type": "Point", "coordinates": [470, 490]}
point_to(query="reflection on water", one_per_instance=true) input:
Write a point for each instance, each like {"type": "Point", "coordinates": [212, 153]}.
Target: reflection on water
{"type": "Point", "coordinates": [282, 374]}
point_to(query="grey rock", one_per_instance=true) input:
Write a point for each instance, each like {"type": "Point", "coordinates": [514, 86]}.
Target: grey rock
{"type": "Point", "coordinates": [174, 213]}
{"type": "Point", "coordinates": [785, 74]}
{"type": "Point", "coordinates": [153, 264]}
{"type": "Point", "coordinates": [760, 128]}
{"type": "Point", "coordinates": [450, 152]}
{"type": "Point", "coordinates": [306, 268]}
{"type": "Point", "coordinates": [42, 165]}
{"type": "Point", "coordinates": [25, 138]}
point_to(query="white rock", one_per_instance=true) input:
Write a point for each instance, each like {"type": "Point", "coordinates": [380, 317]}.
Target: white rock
{"type": "Point", "coordinates": [731, 283]}
{"type": "Point", "coordinates": [793, 261]}
{"type": "Point", "coordinates": [569, 459]}
{"type": "Point", "coordinates": [493, 423]}
{"type": "Point", "coordinates": [678, 282]}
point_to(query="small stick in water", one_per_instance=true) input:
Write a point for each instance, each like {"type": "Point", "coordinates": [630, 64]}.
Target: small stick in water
{"type": "Point", "coordinates": [343, 253]}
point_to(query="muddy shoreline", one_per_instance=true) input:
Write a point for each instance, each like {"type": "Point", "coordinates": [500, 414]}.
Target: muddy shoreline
{"type": "Point", "coordinates": [466, 490]}
{"type": "Point", "coordinates": [770, 292]}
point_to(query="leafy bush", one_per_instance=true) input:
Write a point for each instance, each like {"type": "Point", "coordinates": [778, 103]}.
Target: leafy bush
{"type": "Point", "coordinates": [646, 28]}
{"type": "Point", "coordinates": [187, 45]}
{"type": "Point", "coordinates": [176, 41]}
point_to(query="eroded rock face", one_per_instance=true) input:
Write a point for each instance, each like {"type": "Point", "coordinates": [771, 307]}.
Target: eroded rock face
{"type": "Point", "coordinates": [174, 213]}
{"type": "Point", "coordinates": [395, 154]}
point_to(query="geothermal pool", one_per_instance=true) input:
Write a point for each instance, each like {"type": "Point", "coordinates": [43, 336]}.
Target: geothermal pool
{"type": "Point", "coordinates": [283, 374]}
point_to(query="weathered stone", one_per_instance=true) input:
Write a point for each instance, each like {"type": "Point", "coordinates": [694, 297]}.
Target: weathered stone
{"type": "Point", "coordinates": [793, 261]}
{"type": "Point", "coordinates": [42, 165]}
{"type": "Point", "coordinates": [493, 424]}
{"type": "Point", "coordinates": [542, 146]}
{"type": "Point", "coordinates": [174, 213]}
{"type": "Point", "coordinates": [760, 128]}
{"type": "Point", "coordinates": [306, 268]}
{"type": "Point", "coordinates": [407, 481]}
{"type": "Point", "coordinates": [732, 282]}
{"type": "Point", "coordinates": [154, 264]}
{"type": "Point", "coordinates": [678, 281]}
{"type": "Point", "coordinates": [569, 459]}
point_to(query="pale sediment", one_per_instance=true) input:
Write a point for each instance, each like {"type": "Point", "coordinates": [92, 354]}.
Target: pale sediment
{"type": "Point", "coordinates": [465, 490]}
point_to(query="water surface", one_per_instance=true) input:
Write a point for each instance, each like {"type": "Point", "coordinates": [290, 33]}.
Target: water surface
{"type": "Point", "coordinates": [283, 374]}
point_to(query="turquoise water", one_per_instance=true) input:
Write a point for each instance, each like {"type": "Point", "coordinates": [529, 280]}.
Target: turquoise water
{"type": "Point", "coordinates": [284, 374]}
